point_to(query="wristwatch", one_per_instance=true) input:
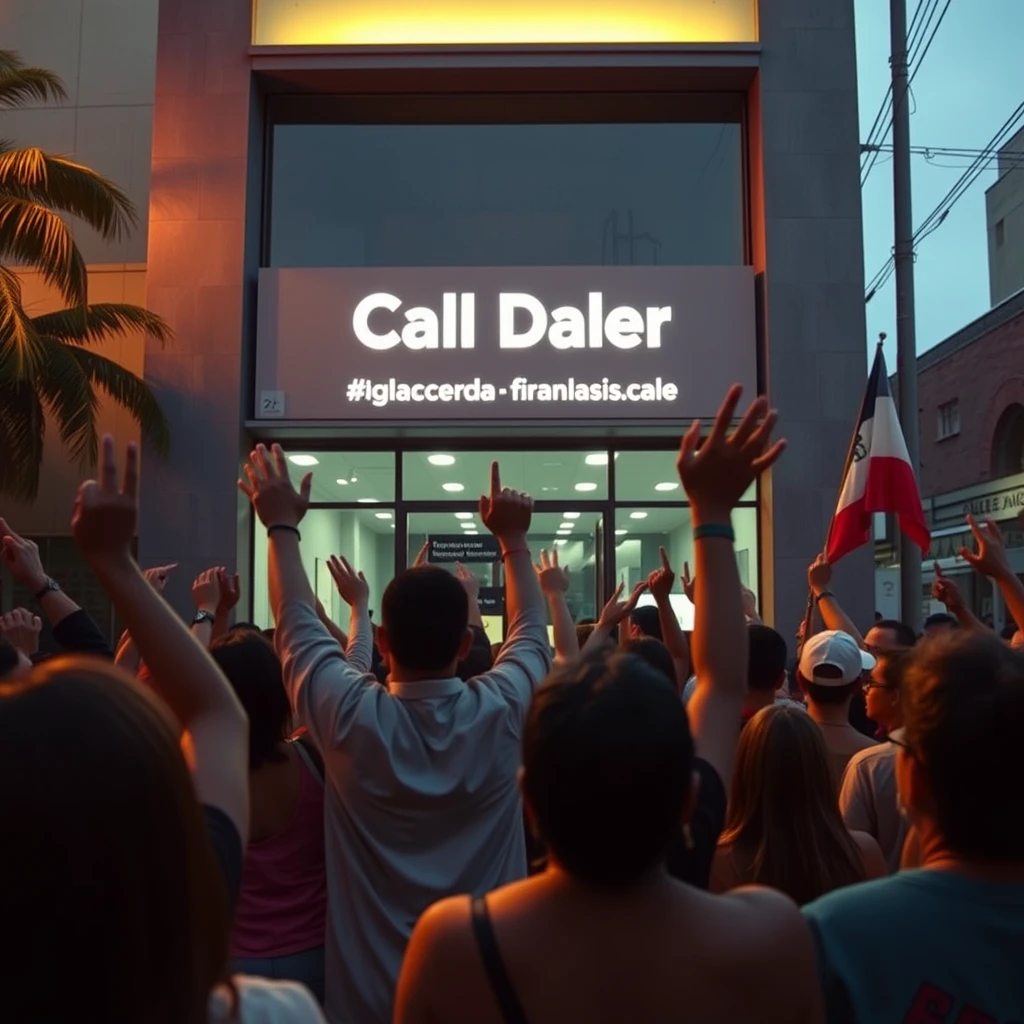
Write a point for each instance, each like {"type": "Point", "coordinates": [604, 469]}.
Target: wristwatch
{"type": "Point", "coordinates": [51, 586]}
{"type": "Point", "coordinates": [203, 616]}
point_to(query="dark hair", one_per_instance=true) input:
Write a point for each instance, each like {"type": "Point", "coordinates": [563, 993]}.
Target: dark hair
{"type": "Point", "coordinates": [254, 672]}
{"type": "Point", "coordinates": [963, 710]}
{"type": "Point", "coordinates": [9, 659]}
{"type": "Point", "coordinates": [588, 621]}
{"type": "Point", "coordinates": [940, 619]}
{"type": "Point", "coordinates": [245, 627]}
{"type": "Point", "coordinates": [828, 696]}
{"type": "Point", "coordinates": [645, 618]}
{"type": "Point", "coordinates": [426, 612]}
{"type": "Point", "coordinates": [105, 846]}
{"type": "Point", "coordinates": [269, 634]}
{"type": "Point", "coordinates": [783, 820]}
{"type": "Point", "coordinates": [655, 653]}
{"type": "Point", "coordinates": [905, 636]}
{"type": "Point", "coordinates": [766, 658]}
{"type": "Point", "coordinates": [607, 757]}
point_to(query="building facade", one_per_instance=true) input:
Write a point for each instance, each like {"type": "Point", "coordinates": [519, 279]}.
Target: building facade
{"type": "Point", "coordinates": [403, 238]}
{"type": "Point", "coordinates": [1004, 214]}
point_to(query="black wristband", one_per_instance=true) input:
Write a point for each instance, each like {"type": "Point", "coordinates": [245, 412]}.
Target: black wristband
{"type": "Point", "coordinates": [821, 597]}
{"type": "Point", "coordinates": [284, 526]}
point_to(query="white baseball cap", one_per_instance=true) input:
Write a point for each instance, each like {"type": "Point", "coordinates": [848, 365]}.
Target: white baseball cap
{"type": "Point", "coordinates": [839, 650]}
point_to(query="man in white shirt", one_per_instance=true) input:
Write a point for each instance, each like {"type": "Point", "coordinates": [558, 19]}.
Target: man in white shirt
{"type": "Point", "coordinates": [421, 797]}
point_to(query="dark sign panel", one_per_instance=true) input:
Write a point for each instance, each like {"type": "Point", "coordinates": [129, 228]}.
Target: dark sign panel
{"type": "Point", "coordinates": [492, 601]}
{"type": "Point", "coordinates": [457, 547]}
{"type": "Point", "coordinates": [451, 343]}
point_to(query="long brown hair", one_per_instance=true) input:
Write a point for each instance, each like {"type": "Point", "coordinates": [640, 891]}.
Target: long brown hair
{"type": "Point", "coordinates": [112, 904]}
{"type": "Point", "coordinates": [783, 821]}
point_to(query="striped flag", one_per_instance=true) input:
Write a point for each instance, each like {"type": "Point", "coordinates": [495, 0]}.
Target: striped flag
{"type": "Point", "coordinates": [879, 477]}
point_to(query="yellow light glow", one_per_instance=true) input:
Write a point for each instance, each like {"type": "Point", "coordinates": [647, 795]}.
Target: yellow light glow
{"type": "Point", "coordinates": [462, 22]}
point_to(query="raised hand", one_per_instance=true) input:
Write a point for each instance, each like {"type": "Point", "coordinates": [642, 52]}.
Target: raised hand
{"type": "Point", "coordinates": [352, 585]}
{"type": "Point", "coordinates": [105, 515]}
{"type": "Point", "coordinates": [21, 629]}
{"type": "Point", "coordinates": [270, 489]}
{"type": "Point", "coordinates": [505, 512]}
{"type": "Point", "coordinates": [689, 583]}
{"type": "Point", "coordinates": [661, 581]}
{"type": "Point", "coordinates": [946, 591]}
{"type": "Point", "coordinates": [158, 576]}
{"type": "Point", "coordinates": [615, 610]}
{"type": "Point", "coordinates": [206, 589]}
{"type": "Point", "coordinates": [470, 582]}
{"type": "Point", "coordinates": [230, 591]}
{"type": "Point", "coordinates": [552, 577]}
{"type": "Point", "coordinates": [750, 605]}
{"type": "Point", "coordinates": [819, 575]}
{"type": "Point", "coordinates": [21, 556]}
{"type": "Point", "coordinates": [717, 473]}
{"type": "Point", "coordinates": [990, 559]}
{"type": "Point", "coordinates": [423, 557]}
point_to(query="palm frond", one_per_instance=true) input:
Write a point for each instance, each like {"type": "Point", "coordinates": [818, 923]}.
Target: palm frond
{"type": "Point", "coordinates": [22, 430]}
{"type": "Point", "coordinates": [19, 83]}
{"type": "Point", "coordinates": [101, 320]}
{"type": "Point", "coordinates": [130, 392]}
{"type": "Point", "coordinates": [67, 186]}
{"type": "Point", "coordinates": [33, 235]}
{"type": "Point", "coordinates": [21, 350]}
{"type": "Point", "coordinates": [66, 390]}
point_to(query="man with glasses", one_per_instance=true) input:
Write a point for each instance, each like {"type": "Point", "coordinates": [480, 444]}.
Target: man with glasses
{"type": "Point", "coordinates": [867, 798]}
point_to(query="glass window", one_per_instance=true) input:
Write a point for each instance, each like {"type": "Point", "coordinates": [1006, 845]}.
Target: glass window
{"type": "Point", "coordinates": [464, 476]}
{"type": "Point", "coordinates": [640, 533]}
{"type": "Point", "coordinates": [366, 537]}
{"type": "Point", "coordinates": [423, 193]}
{"type": "Point", "coordinates": [363, 477]}
{"type": "Point", "coordinates": [652, 477]}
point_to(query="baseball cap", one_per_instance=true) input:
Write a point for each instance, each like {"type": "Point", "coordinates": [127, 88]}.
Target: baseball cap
{"type": "Point", "coordinates": [839, 650]}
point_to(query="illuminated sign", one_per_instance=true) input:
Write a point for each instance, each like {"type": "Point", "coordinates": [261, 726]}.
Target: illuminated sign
{"type": "Point", "coordinates": [468, 22]}
{"type": "Point", "coordinates": [502, 343]}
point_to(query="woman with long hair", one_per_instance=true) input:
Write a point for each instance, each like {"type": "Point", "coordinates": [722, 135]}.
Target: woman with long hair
{"type": "Point", "coordinates": [783, 827]}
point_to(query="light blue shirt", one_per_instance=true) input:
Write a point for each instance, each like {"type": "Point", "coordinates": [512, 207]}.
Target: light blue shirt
{"type": "Point", "coordinates": [421, 800]}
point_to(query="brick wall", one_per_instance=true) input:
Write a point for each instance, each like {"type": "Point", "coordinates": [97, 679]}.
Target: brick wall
{"type": "Point", "coordinates": [985, 377]}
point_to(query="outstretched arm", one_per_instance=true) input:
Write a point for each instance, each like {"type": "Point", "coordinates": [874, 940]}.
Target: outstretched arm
{"type": "Point", "coordinates": [660, 583]}
{"type": "Point", "coordinates": [183, 673]}
{"type": "Point", "coordinates": [991, 560]}
{"type": "Point", "coordinates": [946, 591]}
{"type": "Point", "coordinates": [612, 615]}
{"type": "Point", "coordinates": [715, 475]}
{"type": "Point", "coordinates": [819, 576]}
{"type": "Point", "coordinates": [554, 583]}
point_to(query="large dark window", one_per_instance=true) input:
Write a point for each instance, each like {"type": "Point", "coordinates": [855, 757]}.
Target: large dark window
{"type": "Point", "coordinates": [551, 181]}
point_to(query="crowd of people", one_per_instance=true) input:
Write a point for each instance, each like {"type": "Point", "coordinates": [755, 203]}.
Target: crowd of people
{"type": "Point", "coordinates": [212, 822]}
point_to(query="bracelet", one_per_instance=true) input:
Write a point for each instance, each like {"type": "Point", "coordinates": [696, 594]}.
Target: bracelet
{"type": "Point", "coordinates": [824, 594]}
{"type": "Point", "coordinates": [718, 531]}
{"type": "Point", "coordinates": [514, 551]}
{"type": "Point", "coordinates": [284, 526]}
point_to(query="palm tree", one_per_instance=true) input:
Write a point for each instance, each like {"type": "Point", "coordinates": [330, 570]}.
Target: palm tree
{"type": "Point", "coordinates": [46, 363]}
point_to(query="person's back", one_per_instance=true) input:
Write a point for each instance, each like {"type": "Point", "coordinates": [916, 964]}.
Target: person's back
{"type": "Point", "coordinates": [421, 796]}
{"type": "Point", "coordinates": [605, 935]}
{"type": "Point", "coordinates": [953, 932]}
{"type": "Point", "coordinates": [831, 665]}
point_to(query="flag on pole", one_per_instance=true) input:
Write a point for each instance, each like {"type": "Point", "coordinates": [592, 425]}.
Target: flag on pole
{"type": "Point", "coordinates": [879, 477]}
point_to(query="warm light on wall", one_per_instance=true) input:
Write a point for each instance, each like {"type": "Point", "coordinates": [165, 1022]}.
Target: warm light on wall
{"type": "Point", "coordinates": [402, 22]}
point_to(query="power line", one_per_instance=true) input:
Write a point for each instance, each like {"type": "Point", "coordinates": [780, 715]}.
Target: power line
{"type": "Point", "coordinates": [937, 217]}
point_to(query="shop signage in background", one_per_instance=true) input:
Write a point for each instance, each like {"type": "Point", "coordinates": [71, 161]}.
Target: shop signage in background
{"type": "Point", "coordinates": [999, 499]}
{"type": "Point", "coordinates": [457, 547]}
{"type": "Point", "coordinates": [450, 343]}
{"type": "Point", "coordinates": [492, 601]}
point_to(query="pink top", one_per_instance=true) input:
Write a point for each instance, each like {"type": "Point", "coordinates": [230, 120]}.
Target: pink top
{"type": "Point", "coordinates": [282, 906]}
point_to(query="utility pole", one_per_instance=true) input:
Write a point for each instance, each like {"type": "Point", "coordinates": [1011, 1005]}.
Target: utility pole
{"type": "Point", "coordinates": [906, 329]}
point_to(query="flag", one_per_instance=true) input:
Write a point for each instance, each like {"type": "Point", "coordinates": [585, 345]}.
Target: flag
{"type": "Point", "coordinates": [879, 477]}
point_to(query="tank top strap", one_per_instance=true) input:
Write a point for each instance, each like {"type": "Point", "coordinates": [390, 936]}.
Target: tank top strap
{"type": "Point", "coordinates": [487, 944]}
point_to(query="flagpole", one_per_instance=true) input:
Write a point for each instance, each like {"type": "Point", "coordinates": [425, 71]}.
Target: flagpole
{"type": "Point", "coordinates": [809, 613]}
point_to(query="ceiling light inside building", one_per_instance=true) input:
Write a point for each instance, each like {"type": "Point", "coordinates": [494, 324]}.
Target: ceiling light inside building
{"type": "Point", "coordinates": [453, 488]}
{"type": "Point", "coordinates": [584, 487]}
{"type": "Point", "coordinates": [570, 515]}
{"type": "Point", "coordinates": [303, 460]}
{"type": "Point", "coordinates": [441, 460]}
{"type": "Point", "coordinates": [637, 515]}
{"type": "Point", "coordinates": [463, 515]}
{"type": "Point", "coordinates": [668, 485]}
{"type": "Point", "coordinates": [383, 515]}
{"type": "Point", "coordinates": [597, 459]}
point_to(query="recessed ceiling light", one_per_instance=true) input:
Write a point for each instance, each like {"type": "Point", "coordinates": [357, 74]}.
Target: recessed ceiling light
{"type": "Point", "coordinates": [597, 459]}
{"type": "Point", "coordinates": [463, 515]}
{"type": "Point", "coordinates": [621, 533]}
{"type": "Point", "coordinates": [471, 533]}
{"type": "Point", "coordinates": [468, 525]}
{"type": "Point", "coordinates": [441, 460]}
{"type": "Point", "coordinates": [368, 501]}
{"type": "Point", "coordinates": [570, 515]}
{"type": "Point", "coordinates": [383, 515]}
{"type": "Point", "coordinates": [393, 526]}
{"type": "Point", "coordinates": [549, 488]}
{"type": "Point", "coordinates": [668, 485]}
{"type": "Point", "coordinates": [353, 479]}
{"type": "Point", "coordinates": [303, 460]}
{"type": "Point", "coordinates": [341, 480]}
{"type": "Point", "coordinates": [560, 541]}
{"type": "Point", "coordinates": [586, 487]}
{"type": "Point", "coordinates": [567, 526]}
{"type": "Point", "coordinates": [637, 515]}
{"type": "Point", "coordinates": [453, 488]}
{"type": "Point", "coordinates": [563, 533]}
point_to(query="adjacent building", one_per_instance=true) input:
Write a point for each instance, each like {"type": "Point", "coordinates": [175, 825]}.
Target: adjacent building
{"type": "Point", "coordinates": [1004, 214]}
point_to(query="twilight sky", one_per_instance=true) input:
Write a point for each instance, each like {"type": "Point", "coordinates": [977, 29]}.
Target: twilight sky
{"type": "Point", "coordinates": [968, 85]}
